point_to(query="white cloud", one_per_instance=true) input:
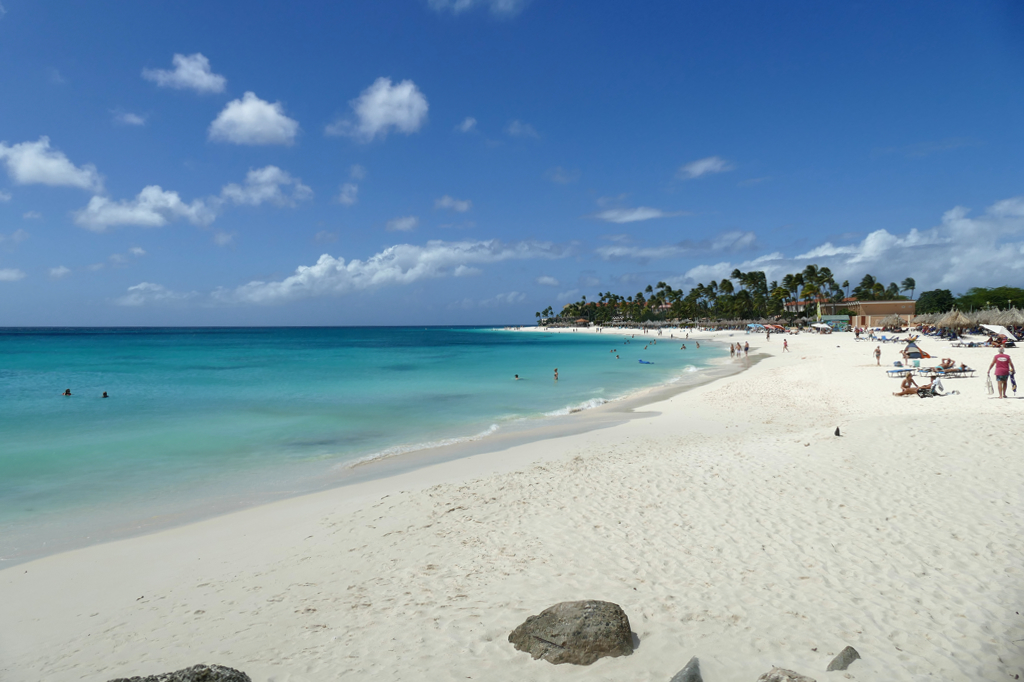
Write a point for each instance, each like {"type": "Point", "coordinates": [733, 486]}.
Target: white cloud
{"type": "Point", "coordinates": [695, 169]}
{"type": "Point", "coordinates": [547, 281]}
{"type": "Point", "coordinates": [733, 241]}
{"type": "Point", "coordinates": [5, 196]}
{"type": "Point", "coordinates": [396, 265]}
{"type": "Point", "coordinates": [223, 238]}
{"type": "Point", "coordinates": [960, 251]}
{"type": "Point", "coordinates": [348, 194]}
{"type": "Point", "coordinates": [466, 271]}
{"type": "Point", "coordinates": [569, 295]}
{"type": "Point", "coordinates": [325, 237]}
{"type": "Point", "coordinates": [497, 7]}
{"type": "Point", "coordinates": [357, 172]}
{"type": "Point", "coordinates": [32, 215]}
{"type": "Point", "coordinates": [147, 292]}
{"type": "Point", "coordinates": [403, 224]}
{"type": "Point", "coordinates": [2, 11]}
{"type": "Point", "coordinates": [468, 124]}
{"type": "Point", "coordinates": [30, 163]}
{"type": "Point", "coordinates": [190, 72]}
{"type": "Point", "coordinates": [632, 215]}
{"type": "Point", "coordinates": [251, 120]}
{"type": "Point", "coordinates": [153, 207]}
{"type": "Point", "coordinates": [264, 185]}
{"type": "Point", "coordinates": [59, 272]}
{"type": "Point", "coordinates": [520, 129]}
{"type": "Point", "coordinates": [16, 237]}
{"type": "Point", "coordinates": [137, 251]}
{"type": "Point", "coordinates": [118, 258]}
{"type": "Point", "coordinates": [11, 275]}
{"type": "Point", "coordinates": [55, 77]}
{"type": "Point", "coordinates": [562, 176]}
{"type": "Point", "coordinates": [382, 107]}
{"type": "Point", "coordinates": [638, 253]}
{"type": "Point", "coordinates": [128, 118]}
{"type": "Point", "coordinates": [457, 205]}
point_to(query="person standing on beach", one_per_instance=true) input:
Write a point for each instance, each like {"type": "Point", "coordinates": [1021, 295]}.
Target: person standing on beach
{"type": "Point", "coordinates": [878, 355]}
{"type": "Point", "coordinates": [746, 349]}
{"type": "Point", "coordinates": [556, 374]}
{"type": "Point", "coordinates": [1004, 368]}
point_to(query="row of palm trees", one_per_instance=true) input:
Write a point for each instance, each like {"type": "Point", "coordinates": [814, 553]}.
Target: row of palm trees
{"type": "Point", "coordinates": [742, 295]}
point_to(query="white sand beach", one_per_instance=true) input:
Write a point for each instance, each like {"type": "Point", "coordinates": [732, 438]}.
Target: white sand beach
{"type": "Point", "coordinates": [730, 524]}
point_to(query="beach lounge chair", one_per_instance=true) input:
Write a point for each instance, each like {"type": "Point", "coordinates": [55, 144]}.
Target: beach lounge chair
{"type": "Point", "coordinates": [899, 373]}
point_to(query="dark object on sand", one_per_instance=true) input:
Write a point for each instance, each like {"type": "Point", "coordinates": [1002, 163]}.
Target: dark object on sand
{"type": "Point", "coordinates": [844, 659]}
{"type": "Point", "coordinates": [837, 431]}
{"type": "Point", "coordinates": [578, 632]}
{"type": "Point", "coordinates": [691, 673]}
{"type": "Point", "coordinates": [783, 675]}
{"type": "Point", "coordinates": [197, 673]}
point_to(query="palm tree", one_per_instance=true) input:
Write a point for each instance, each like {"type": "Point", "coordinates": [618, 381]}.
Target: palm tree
{"type": "Point", "coordinates": [846, 285]}
{"type": "Point", "coordinates": [908, 285]}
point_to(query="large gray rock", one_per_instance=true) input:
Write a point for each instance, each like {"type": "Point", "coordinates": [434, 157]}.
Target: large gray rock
{"type": "Point", "coordinates": [691, 673]}
{"type": "Point", "coordinates": [844, 659]}
{"type": "Point", "coordinates": [197, 673]}
{"type": "Point", "coordinates": [783, 675]}
{"type": "Point", "coordinates": [577, 632]}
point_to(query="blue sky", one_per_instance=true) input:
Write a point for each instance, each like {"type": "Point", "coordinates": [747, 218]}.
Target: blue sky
{"type": "Point", "coordinates": [474, 161]}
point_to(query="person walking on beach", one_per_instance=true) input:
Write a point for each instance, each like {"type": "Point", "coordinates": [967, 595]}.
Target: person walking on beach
{"type": "Point", "coordinates": [785, 345]}
{"type": "Point", "coordinates": [1004, 368]}
{"type": "Point", "coordinates": [732, 351]}
{"type": "Point", "coordinates": [878, 355]}
{"type": "Point", "coordinates": [746, 349]}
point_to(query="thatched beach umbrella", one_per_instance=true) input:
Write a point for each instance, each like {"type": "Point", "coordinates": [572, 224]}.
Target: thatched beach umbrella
{"type": "Point", "coordinates": [893, 320]}
{"type": "Point", "coordinates": [1013, 316]}
{"type": "Point", "coordinates": [954, 319]}
{"type": "Point", "coordinates": [987, 316]}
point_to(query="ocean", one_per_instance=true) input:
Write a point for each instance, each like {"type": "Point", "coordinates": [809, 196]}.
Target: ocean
{"type": "Point", "coordinates": [202, 421]}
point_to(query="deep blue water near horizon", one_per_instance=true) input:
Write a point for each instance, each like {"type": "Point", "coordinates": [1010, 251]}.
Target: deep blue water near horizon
{"type": "Point", "coordinates": [203, 420]}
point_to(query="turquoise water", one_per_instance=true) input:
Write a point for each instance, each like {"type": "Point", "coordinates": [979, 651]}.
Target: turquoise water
{"type": "Point", "coordinates": [201, 421]}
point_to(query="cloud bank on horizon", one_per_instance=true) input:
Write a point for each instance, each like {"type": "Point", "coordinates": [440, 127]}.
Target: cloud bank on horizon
{"type": "Point", "coordinates": [471, 183]}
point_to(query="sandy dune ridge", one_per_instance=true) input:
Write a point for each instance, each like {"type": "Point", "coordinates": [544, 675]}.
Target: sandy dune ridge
{"type": "Point", "coordinates": [730, 524]}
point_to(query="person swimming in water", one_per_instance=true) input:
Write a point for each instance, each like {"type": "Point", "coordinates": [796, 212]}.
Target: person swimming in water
{"type": "Point", "coordinates": [107, 396]}
{"type": "Point", "coordinates": [517, 379]}
{"type": "Point", "coordinates": [67, 391]}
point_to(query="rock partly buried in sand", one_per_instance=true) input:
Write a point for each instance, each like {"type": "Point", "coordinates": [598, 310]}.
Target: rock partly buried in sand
{"type": "Point", "coordinates": [197, 673]}
{"type": "Point", "coordinates": [844, 659]}
{"type": "Point", "coordinates": [783, 675]}
{"type": "Point", "coordinates": [577, 632]}
{"type": "Point", "coordinates": [691, 673]}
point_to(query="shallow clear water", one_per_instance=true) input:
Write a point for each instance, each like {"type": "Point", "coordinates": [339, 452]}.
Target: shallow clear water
{"type": "Point", "coordinates": [205, 420]}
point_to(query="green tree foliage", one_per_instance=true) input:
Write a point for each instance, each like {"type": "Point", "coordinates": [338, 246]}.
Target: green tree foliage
{"type": "Point", "coordinates": [742, 295]}
{"type": "Point", "coordinates": [935, 301]}
{"type": "Point", "coordinates": [981, 297]}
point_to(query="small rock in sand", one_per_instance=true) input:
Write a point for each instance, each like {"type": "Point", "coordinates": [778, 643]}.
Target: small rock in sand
{"type": "Point", "coordinates": [197, 673]}
{"type": "Point", "coordinates": [691, 673]}
{"type": "Point", "coordinates": [578, 632]}
{"type": "Point", "coordinates": [783, 675]}
{"type": "Point", "coordinates": [844, 659]}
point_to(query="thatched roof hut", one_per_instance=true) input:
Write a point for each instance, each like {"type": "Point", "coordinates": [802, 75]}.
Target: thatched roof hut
{"type": "Point", "coordinates": [893, 320]}
{"type": "Point", "coordinates": [954, 319]}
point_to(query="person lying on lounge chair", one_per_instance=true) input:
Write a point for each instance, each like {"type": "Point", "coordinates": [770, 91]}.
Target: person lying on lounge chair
{"type": "Point", "coordinates": [908, 387]}
{"type": "Point", "coordinates": [947, 363]}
